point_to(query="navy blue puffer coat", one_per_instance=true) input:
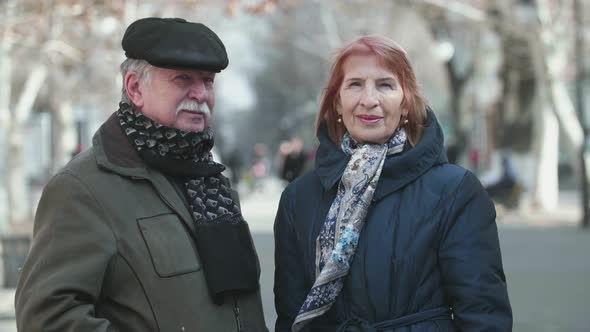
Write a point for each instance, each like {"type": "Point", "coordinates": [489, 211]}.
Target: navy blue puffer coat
{"type": "Point", "coordinates": [428, 258]}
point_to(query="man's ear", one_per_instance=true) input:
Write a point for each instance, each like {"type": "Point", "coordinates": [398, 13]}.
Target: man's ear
{"type": "Point", "coordinates": [133, 90]}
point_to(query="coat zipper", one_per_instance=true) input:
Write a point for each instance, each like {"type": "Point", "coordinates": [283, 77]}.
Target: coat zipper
{"type": "Point", "coordinates": [237, 314]}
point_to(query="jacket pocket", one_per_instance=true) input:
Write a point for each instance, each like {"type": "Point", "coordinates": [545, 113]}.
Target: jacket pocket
{"type": "Point", "coordinates": [170, 247]}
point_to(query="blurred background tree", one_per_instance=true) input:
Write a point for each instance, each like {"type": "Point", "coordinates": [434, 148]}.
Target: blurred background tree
{"type": "Point", "coordinates": [500, 76]}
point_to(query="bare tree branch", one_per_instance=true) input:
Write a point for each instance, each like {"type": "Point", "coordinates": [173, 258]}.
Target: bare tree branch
{"type": "Point", "coordinates": [459, 8]}
{"type": "Point", "coordinates": [329, 23]}
{"type": "Point", "coordinates": [29, 94]}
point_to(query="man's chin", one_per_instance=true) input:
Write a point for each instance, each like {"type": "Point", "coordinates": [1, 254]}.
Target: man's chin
{"type": "Point", "coordinates": [191, 122]}
{"type": "Point", "coordinates": [193, 128]}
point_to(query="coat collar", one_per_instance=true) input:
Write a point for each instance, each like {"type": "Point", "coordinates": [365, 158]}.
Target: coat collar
{"type": "Point", "coordinates": [398, 170]}
{"type": "Point", "coordinates": [115, 153]}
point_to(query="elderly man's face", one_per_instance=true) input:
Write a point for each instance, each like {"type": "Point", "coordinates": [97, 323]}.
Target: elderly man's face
{"type": "Point", "coordinates": [181, 99]}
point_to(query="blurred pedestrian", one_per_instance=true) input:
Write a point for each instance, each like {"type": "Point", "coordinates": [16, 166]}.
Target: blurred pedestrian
{"type": "Point", "coordinates": [293, 159]}
{"type": "Point", "coordinates": [506, 189]}
{"type": "Point", "coordinates": [384, 234]}
{"type": "Point", "coordinates": [259, 167]}
{"type": "Point", "coordinates": [142, 232]}
{"type": "Point", "coordinates": [236, 164]}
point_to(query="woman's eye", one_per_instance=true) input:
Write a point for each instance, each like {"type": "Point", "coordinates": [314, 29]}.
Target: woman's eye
{"type": "Point", "coordinates": [355, 84]}
{"type": "Point", "coordinates": [386, 85]}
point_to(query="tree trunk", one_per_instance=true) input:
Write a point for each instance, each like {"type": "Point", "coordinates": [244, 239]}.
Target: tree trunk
{"type": "Point", "coordinates": [64, 137]}
{"type": "Point", "coordinates": [545, 186]}
{"type": "Point", "coordinates": [545, 191]}
{"type": "Point", "coordinates": [16, 177]}
{"type": "Point", "coordinates": [5, 90]}
{"type": "Point", "coordinates": [553, 59]}
{"type": "Point", "coordinates": [16, 183]}
{"type": "Point", "coordinates": [550, 57]}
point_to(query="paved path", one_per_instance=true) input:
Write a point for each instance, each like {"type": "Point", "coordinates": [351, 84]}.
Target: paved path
{"type": "Point", "coordinates": [548, 273]}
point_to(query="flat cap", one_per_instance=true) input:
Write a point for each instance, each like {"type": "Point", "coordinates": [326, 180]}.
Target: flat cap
{"type": "Point", "coordinates": [174, 43]}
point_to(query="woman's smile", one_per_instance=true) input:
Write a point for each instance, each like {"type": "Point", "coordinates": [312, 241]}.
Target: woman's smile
{"type": "Point", "coordinates": [369, 119]}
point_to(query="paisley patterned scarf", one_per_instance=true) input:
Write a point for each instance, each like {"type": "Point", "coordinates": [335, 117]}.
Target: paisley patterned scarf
{"type": "Point", "coordinates": [339, 236]}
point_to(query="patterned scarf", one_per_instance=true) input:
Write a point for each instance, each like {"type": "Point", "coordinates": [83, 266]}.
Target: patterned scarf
{"type": "Point", "coordinates": [338, 239]}
{"type": "Point", "coordinates": [182, 153]}
{"type": "Point", "coordinates": [222, 236]}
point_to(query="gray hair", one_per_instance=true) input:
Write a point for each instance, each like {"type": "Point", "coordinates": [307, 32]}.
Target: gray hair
{"type": "Point", "coordinates": [141, 67]}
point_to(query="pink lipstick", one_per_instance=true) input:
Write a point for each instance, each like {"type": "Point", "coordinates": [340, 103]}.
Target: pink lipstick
{"type": "Point", "coordinates": [369, 119]}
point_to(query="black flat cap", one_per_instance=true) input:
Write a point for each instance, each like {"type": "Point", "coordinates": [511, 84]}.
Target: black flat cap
{"type": "Point", "coordinates": [174, 43]}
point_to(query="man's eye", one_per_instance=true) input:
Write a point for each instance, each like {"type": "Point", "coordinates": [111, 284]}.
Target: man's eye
{"type": "Point", "coordinates": [183, 77]}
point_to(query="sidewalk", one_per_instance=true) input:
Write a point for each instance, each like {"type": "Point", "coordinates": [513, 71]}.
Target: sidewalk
{"type": "Point", "coordinates": [567, 213]}
{"type": "Point", "coordinates": [259, 207]}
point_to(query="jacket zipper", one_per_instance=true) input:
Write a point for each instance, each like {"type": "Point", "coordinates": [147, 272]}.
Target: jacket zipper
{"type": "Point", "coordinates": [237, 314]}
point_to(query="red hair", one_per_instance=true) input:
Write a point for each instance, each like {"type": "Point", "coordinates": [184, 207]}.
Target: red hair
{"type": "Point", "coordinates": [393, 57]}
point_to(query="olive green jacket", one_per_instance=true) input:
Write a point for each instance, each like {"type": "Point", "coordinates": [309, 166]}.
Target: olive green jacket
{"type": "Point", "coordinates": [113, 250]}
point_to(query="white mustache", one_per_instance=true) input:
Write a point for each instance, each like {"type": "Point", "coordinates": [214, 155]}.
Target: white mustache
{"type": "Point", "coordinates": [193, 106]}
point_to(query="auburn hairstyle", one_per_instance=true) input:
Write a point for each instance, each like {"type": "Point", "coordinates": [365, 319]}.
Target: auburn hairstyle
{"type": "Point", "coordinates": [394, 58]}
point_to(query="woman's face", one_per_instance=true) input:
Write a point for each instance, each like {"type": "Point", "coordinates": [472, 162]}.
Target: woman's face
{"type": "Point", "coordinates": [370, 100]}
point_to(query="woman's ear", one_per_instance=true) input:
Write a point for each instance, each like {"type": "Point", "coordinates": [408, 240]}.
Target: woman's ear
{"type": "Point", "coordinates": [133, 90]}
{"type": "Point", "coordinates": [338, 105]}
{"type": "Point", "coordinates": [405, 114]}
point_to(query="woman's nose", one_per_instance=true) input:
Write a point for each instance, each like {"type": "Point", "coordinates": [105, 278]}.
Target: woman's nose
{"type": "Point", "coordinates": [369, 98]}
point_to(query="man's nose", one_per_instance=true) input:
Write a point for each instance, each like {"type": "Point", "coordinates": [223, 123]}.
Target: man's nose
{"type": "Point", "coordinates": [369, 97]}
{"type": "Point", "coordinates": [198, 91]}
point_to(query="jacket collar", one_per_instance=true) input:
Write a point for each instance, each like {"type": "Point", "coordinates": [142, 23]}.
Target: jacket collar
{"type": "Point", "coordinates": [398, 170]}
{"type": "Point", "coordinates": [115, 153]}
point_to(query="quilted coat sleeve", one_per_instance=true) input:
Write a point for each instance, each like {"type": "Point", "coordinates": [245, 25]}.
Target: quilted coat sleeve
{"type": "Point", "coordinates": [471, 262]}
{"type": "Point", "coordinates": [289, 286]}
{"type": "Point", "coordinates": [64, 271]}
